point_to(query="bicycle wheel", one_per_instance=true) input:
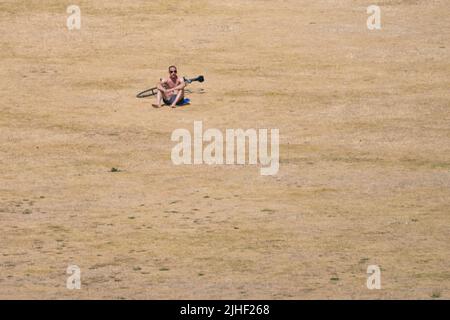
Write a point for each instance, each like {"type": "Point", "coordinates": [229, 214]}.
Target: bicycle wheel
{"type": "Point", "coordinates": [147, 93]}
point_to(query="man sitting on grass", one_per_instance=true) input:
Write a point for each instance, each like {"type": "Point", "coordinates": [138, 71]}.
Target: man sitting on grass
{"type": "Point", "coordinates": [170, 90]}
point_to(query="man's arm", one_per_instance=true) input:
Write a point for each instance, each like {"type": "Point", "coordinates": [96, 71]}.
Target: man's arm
{"type": "Point", "coordinates": [161, 85]}
{"type": "Point", "coordinates": [181, 86]}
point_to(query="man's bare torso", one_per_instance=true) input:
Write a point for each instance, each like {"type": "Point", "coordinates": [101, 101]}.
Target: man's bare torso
{"type": "Point", "coordinates": [168, 83]}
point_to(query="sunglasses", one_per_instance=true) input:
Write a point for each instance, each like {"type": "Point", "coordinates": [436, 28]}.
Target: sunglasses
{"type": "Point", "coordinates": [173, 71]}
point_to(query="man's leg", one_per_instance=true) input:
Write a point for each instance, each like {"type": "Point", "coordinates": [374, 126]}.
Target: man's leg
{"type": "Point", "coordinates": [158, 99]}
{"type": "Point", "coordinates": [180, 95]}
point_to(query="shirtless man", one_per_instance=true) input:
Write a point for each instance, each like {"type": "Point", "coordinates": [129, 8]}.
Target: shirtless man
{"type": "Point", "coordinates": [170, 90]}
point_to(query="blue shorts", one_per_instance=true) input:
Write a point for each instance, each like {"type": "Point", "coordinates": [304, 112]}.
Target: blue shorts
{"type": "Point", "coordinates": [172, 99]}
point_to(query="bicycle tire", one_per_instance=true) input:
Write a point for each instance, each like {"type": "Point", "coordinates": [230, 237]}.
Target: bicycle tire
{"type": "Point", "coordinates": [147, 93]}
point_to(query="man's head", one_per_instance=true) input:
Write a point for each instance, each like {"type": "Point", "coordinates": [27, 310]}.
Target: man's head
{"type": "Point", "coordinates": [173, 72]}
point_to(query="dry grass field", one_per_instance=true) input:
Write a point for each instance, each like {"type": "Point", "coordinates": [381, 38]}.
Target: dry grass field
{"type": "Point", "coordinates": [364, 179]}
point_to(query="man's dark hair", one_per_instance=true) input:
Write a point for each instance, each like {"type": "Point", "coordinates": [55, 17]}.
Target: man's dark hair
{"type": "Point", "coordinates": [172, 67]}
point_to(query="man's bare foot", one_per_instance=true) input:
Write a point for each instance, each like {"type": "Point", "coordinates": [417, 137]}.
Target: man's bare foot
{"type": "Point", "coordinates": [154, 105]}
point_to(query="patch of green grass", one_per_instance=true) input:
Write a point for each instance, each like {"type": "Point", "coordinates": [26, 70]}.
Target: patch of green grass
{"type": "Point", "coordinates": [334, 278]}
{"type": "Point", "coordinates": [436, 294]}
{"type": "Point", "coordinates": [363, 260]}
{"type": "Point", "coordinates": [425, 163]}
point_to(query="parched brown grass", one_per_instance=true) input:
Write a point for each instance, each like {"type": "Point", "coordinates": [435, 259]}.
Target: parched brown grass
{"type": "Point", "coordinates": [364, 150]}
